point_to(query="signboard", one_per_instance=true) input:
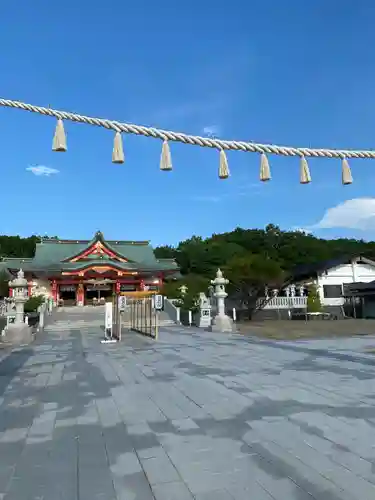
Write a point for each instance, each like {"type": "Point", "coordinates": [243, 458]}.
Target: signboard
{"type": "Point", "coordinates": [158, 302]}
{"type": "Point", "coordinates": [122, 303]}
{"type": "Point", "coordinates": [68, 288]}
{"type": "Point", "coordinates": [91, 288]}
{"type": "Point", "coordinates": [108, 317]}
{"type": "Point", "coordinates": [124, 287]}
{"type": "Point", "coordinates": [204, 318]}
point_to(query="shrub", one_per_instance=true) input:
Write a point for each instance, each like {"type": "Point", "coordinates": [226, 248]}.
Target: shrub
{"type": "Point", "coordinates": [313, 300]}
{"type": "Point", "coordinates": [33, 303]}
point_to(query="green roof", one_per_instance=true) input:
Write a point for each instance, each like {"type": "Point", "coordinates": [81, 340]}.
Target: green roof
{"type": "Point", "coordinates": [53, 254]}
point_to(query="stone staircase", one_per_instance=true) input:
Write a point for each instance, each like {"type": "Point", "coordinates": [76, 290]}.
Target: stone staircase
{"type": "Point", "coordinates": [85, 311]}
{"type": "Point", "coordinates": [164, 320]}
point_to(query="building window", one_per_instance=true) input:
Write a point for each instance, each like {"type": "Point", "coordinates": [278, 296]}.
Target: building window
{"type": "Point", "coordinates": [332, 291]}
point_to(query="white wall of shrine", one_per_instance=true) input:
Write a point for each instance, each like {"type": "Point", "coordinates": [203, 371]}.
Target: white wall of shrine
{"type": "Point", "coordinates": [330, 286]}
{"type": "Point", "coordinates": [343, 275]}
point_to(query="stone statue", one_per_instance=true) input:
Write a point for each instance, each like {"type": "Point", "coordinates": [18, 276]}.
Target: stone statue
{"type": "Point", "coordinates": [203, 301]}
{"type": "Point", "coordinates": [204, 319]}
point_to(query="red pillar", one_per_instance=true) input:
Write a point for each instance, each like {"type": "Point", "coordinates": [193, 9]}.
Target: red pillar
{"type": "Point", "coordinates": [117, 286]}
{"type": "Point", "coordinates": [29, 287]}
{"type": "Point", "coordinates": [10, 292]}
{"type": "Point", "coordinates": [54, 291]}
{"type": "Point", "coordinates": [80, 294]}
{"type": "Point", "coordinates": [142, 285]}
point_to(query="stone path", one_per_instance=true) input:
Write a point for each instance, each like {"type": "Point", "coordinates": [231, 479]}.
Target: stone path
{"type": "Point", "coordinates": [191, 416]}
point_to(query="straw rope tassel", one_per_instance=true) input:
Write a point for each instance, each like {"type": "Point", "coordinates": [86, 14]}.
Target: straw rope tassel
{"type": "Point", "coordinates": [347, 177]}
{"type": "Point", "coordinates": [305, 176]}
{"type": "Point", "coordinates": [165, 158]}
{"type": "Point", "coordinates": [265, 171]}
{"type": "Point", "coordinates": [59, 139]}
{"type": "Point", "coordinates": [223, 166]}
{"type": "Point", "coordinates": [118, 149]}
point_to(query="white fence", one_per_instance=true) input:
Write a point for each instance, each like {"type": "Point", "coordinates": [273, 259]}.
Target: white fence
{"type": "Point", "coordinates": [285, 303]}
{"type": "Point", "coordinates": [296, 302]}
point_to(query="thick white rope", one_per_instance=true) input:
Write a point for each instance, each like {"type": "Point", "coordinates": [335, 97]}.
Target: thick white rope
{"type": "Point", "coordinates": [189, 139]}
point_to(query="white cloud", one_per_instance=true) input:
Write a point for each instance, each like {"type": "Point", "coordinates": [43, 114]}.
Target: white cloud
{"type": "Point", "coordinates": [42, 170]}
{"type": "Point", "coordinates": [211, 130]}
{"type": "Point", "coordinates": [358, 213]}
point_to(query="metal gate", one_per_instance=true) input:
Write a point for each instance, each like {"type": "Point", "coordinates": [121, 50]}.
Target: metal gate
{"type": "Point", "coordinates": [143, 316]}
{"type": "Point", "coordinates": [138, 314]}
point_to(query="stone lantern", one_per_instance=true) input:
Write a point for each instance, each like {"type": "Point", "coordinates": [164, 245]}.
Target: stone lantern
{"type": "Point", "coordinates": [19, 332]}
{"type": "Point", "coordinates": [221, 322]}
{"type": "Point", "coordinates": [19, 286]}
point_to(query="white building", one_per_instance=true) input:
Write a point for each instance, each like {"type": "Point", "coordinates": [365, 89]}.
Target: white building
{"type": "Point", "coordinates": [330, 278]}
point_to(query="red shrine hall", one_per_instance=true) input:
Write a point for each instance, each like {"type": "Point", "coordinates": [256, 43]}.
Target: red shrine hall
{"type": "Point", "coordinates": [82, 271]}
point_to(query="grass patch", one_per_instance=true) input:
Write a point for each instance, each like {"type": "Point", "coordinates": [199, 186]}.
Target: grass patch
{"type": "Point", "coordinates": [294, 330]}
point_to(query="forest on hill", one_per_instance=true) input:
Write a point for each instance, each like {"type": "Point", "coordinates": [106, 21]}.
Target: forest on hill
{"type": "Point", "coordinates": [289, 248]}
{"type": "Point", "coordinates": [202, 256]}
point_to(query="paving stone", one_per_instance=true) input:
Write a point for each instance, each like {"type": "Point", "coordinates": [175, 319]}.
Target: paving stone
{"type": "Point", "coordinates": [6, 474]}
{"type": "Point", "coordinates": [135, 487]}
{"type": "Point", "coordinates": [125, 464]}
{"type": "Point", "coordinates": [224, 417]}
{"type": "Point", "coordinates": [160, 469]}
{"type": "Point", "coordinates": [185, 424]}
{"type": "Point", "coordinates": [150, 452]}
{"type": "Point", "coordinates": [214, 495]}
{"type": "Point", "coordinates": [174, 491]}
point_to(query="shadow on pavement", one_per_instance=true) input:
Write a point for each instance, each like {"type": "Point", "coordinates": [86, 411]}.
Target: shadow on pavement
{"type": "Point", "coordinates": [10, 365]}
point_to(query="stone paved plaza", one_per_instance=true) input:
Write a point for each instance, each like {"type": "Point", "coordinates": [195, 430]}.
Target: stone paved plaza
{"type": "Point", "coordinates": [194, 415]}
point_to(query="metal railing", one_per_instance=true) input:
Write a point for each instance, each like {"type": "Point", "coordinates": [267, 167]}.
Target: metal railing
{"type": "Point", "coordinates": [143, 316]}
{"type": "Point", "coordinates": [138, 314]}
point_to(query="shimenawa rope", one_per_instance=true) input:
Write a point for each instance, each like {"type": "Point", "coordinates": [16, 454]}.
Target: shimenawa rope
{"type": "Point", "coordinates": [59, 143]}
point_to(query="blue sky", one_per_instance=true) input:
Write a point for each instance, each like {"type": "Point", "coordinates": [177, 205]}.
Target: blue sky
{"type": "Point", "coordinates": [293, 73]}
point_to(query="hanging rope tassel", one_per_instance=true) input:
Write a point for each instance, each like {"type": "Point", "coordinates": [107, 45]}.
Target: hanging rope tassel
{"type": "Point", "coordinates": [347, 177]}
{"type": "Point", "coordinates": [265, 171]}
{"type": "Point", "coordinates": [165, 158]}
{"type": "Point", "coordinates": [305, 176]}
{"type": "Point", "coordinates": [59, 139]}
{"type": "Point", "coordinates": [223, 166]}
{"type": "Point", "coordinates": [118, 149]}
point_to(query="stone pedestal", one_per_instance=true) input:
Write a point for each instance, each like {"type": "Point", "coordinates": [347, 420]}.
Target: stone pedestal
{"type": "Point", "coordinates": [18, 334]}
{"type": "Point", "coordinates": [204, 319]}
{"type": "Point", "coordinates": [222, 324]}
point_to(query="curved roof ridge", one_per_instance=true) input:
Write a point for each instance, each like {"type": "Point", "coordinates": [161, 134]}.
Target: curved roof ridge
{"type": "Point", "coordinates": [98, 237]}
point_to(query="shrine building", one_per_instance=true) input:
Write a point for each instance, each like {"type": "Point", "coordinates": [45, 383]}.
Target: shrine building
{"type": "Point", "coordinates": [82, 271]}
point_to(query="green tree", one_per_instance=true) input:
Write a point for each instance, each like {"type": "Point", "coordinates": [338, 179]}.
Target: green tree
{"type": "Point", "coordinates": [171, 289]}
{"type": "Point", "coordinates": [32, 304]}
{"type": "Point", "coordinates": [4, 284]}
{"type": "Point", "coordinates": [165, 252]}
{"type": "Point", "coordinates": [314, 304]}
{"type": "Point", "coordinates": [249, 275]}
